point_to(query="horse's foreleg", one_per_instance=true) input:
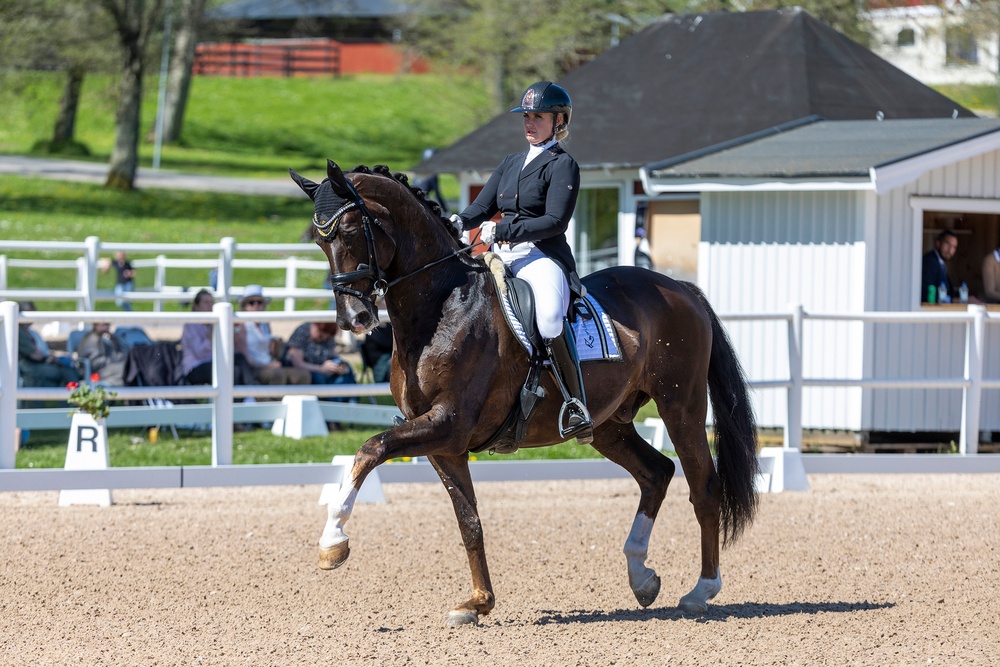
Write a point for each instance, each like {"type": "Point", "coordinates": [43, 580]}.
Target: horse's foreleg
{"type": "Point", "coordinates": [652, 471]}
{"type": "Point", "coordinates": [412, 438]}
{"type": "Point", "coordinates": [691, 444]}
{"type": "Point", "coordinates": [454, 473]}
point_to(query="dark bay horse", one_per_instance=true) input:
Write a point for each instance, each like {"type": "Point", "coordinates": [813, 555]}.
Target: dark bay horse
{"type": "Point", "coordinates": [457, 370]}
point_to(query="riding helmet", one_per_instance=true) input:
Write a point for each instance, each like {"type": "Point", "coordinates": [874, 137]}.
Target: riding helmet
{"type": "Point", "coordinates": [545, 97]}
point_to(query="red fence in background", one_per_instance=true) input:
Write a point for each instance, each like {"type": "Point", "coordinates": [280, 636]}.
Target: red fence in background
{"type": "Point", "coordinates": [314, 57]}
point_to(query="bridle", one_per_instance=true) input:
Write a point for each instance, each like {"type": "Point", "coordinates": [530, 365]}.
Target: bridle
{"type": "Point", "coordinates": [371, 270]}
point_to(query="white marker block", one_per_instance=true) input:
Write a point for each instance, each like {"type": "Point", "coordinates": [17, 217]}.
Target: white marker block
{"type": "Point", "coordinates": [303, 418]}
{"type": "Point", "coordinates": [87, 450]}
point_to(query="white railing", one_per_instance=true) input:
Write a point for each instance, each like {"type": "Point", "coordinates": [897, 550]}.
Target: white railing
{"type": "Point", "coordinates": [224, 261]}
{"type": "Point", "coordinates": [222, 392]}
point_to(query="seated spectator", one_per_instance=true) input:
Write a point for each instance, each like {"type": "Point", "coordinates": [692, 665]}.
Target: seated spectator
{"type": "Point", "coordinates": [313, 347]}
{"type": "Point", "coordinates": [196, 348]}
{"type": "Point", "coordinates": [106, 354]}
{"type": "Point", "coordinates": [38, 366]}
{"type": "Point", "coordinates": [257, 344]}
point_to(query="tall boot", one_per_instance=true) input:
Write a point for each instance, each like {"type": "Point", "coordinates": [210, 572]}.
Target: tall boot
{"type": "Point", "coordinates": [574, 418]}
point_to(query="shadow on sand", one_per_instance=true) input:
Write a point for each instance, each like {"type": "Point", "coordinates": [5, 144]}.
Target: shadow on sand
{"type": "Point", "coordinates": [715, 612]}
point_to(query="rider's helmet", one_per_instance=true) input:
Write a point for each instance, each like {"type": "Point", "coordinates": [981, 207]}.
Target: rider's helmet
{"type": "Point", "coordinates": [546, 97]}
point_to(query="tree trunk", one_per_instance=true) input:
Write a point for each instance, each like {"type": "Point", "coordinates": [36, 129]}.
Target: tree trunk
{"type": "Point", "coordinates": [181, 62]}
{"type": "Point", "coordinates": [125, 154]}
{"type": "Point", "coordinates": [65, 128]}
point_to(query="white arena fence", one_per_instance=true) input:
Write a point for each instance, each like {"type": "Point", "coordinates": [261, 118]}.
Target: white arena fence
{"type": "Point", "coordinates": [223, 410]}
{"type": "Point", "coordinates": [221, 256]}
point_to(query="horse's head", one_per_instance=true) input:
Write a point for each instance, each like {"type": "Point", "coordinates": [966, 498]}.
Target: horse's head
{"type": "Point", "coordinates": [356, 245]}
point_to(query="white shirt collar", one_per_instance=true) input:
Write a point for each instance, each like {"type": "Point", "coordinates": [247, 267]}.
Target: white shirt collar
{"type": "Point", "coordinates": [535, 151]}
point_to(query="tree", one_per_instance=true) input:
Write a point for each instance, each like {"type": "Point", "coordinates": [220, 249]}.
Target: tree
{"type": "Point", "coordinates": [134, 21]}
{"type": "Point", "coordinates": [515, 42]}
{"type": "Point", "coordinates": [61, 35]}
{"type": "Point", "coordinates": [181, 62]}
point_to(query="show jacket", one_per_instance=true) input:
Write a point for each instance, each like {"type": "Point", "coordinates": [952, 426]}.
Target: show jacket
{"type": "Point", "coordinates": [537, 203]}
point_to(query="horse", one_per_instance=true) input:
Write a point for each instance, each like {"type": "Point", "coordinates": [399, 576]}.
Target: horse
{"type": "Point", "coordinates": [457, 370]}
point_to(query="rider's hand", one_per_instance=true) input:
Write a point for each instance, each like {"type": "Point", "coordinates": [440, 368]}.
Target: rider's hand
{"type": "Point", "coordinates": [487, 232]}
{"type": "Point", "coordinates": [456, 220]}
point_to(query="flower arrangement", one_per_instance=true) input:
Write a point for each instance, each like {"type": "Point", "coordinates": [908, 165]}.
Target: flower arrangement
{"type": "Point", "coordinates": [90, 397]}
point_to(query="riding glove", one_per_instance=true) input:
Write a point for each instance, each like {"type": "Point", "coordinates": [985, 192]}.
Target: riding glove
{"type": "Point", "coordinates": [457, 221]}
{"type": "Point", "coordinates": [487, 232]}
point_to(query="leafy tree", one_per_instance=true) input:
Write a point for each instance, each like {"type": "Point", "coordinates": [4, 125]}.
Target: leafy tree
{"type": "Point", "coordinates": [515, 42]}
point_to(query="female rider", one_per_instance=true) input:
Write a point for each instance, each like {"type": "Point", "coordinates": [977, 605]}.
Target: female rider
{"type": "Point", "coordinates": [535, 191]}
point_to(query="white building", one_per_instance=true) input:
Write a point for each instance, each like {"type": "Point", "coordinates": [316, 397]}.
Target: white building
{"type": "Point", "coordinates": [934, 42]}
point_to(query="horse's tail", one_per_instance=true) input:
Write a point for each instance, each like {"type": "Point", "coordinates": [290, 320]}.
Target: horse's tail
{"type": "Point", "coordinates": [735, 430]}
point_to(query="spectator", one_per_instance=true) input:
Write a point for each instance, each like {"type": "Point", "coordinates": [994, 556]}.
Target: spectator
{"type": "Point", "coordinates": [105, 353]}
{"type": "Point", "coordinates": [257, 344]}
{"type": "Point", "coordinates": [38, 366]}
{"type": "Point", "coordinates": [934, 271]}
{"type": "Point", "coordinates": [196, 348]}
{"type": "Point", "coordinates": [313, 347]}
{"type": "Point", "coordinates": [124, 279]}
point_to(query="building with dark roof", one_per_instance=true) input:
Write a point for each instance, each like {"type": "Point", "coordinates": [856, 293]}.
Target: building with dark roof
{"type": "Point", "coordinates": [684, 83]}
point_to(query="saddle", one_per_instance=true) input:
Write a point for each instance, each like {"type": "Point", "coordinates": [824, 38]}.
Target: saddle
{"type": "Point", "coordinates": [593, 331]}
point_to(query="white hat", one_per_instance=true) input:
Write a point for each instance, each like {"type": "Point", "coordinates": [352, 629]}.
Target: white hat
{"type": "Point", "coordinates": [251, 291]}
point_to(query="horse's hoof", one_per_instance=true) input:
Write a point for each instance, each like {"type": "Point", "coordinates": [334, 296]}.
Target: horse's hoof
{"type": "Point", "coordinates": [693, 604]}
{"type": "Point", "coordinates": [646, 594]}
{"type": "Point", "coordinates": [334, 557]}
{"type": "Point", "coordinates": [457, 618]}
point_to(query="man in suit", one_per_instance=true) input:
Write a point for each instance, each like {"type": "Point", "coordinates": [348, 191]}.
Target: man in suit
{"type": "Point", "coordinates": [934, 271]}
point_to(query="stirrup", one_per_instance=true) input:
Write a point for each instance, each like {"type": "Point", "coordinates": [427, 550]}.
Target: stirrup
{"type": "Point", "coordinates": [582, 431]}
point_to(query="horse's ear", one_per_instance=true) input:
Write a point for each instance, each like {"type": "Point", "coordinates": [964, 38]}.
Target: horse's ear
{"type": "Point", "coordinates": [337, 180]}
{"type": "Point", "coordinates": [307, 186]}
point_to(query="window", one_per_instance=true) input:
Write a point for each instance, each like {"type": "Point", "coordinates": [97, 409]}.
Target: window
{"type": "Point", "coordinates": [906, 37]}
{"type": "Point", "coordinates": [960, 47]}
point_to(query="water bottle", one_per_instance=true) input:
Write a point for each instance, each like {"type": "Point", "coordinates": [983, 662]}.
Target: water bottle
{"type": "Point", "coordinates": [943, 295]}
{"type": "Point", "coordinates": [963, 293]}
{"type": "Point", "coordinates": [931, 294]}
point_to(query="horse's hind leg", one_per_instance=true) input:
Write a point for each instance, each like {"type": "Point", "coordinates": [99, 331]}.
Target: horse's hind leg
{"type": "Point", "coordinates": [686, 426]}
{"type": "Point", "coordinates": [454, 473]}
{"type": "Point", "coordinates": [652, 471]}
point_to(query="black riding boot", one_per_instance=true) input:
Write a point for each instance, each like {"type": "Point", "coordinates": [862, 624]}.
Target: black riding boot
{"type": "Point", "coordinates": [574, 419]}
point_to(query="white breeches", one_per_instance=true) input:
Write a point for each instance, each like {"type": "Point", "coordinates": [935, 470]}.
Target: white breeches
{"type": "Point", "coordinates": [548, 284]}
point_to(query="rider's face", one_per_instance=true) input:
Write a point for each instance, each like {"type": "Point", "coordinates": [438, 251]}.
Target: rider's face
{"type": "Point", "coordinates": [538, 127]}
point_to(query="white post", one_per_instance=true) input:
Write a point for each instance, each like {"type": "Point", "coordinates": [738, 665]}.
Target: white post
{"type": "Point", "coordinates": [3, 271]}
{"type": "Point", "coordinates": [8, 385]}
{"type": "Point", "coordinates": [291, 281]}
{"type": "Point", "coordinates": [793, 421]}
{"type": "Point", "coordinates": [159, 280]}
{"type": "Point", "coordinates": [968, 441]}
{"type": "Point", "coordinates": [93, 245]}
{"type": "Point", "coordinates": [225, 277]}
{"type": "Point", "coordinates": [222, 377]}
{"type": "Point", "coordinates": [81, 282]}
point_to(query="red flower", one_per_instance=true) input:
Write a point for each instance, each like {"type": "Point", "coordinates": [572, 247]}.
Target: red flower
{"type": "Point", "coordinates": [94, 377]}
{"type": "Point", "coordinates": [72, 385]}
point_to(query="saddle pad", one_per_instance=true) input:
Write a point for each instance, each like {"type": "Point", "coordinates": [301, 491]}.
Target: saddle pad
{"type": "Point", "coordinates": [596, 338]}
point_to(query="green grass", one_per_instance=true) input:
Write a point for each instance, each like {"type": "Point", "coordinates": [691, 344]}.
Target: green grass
{"type": "Point", "coordinates": [131, 448]}
{"type": "Point", "coordinates": [261, 127]}
{"type": "Point", "coordinates": [981, 99]}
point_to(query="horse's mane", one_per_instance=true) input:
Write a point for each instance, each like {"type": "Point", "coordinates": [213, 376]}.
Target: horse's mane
{"type": "Point", "coordinates": [403, 179]}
